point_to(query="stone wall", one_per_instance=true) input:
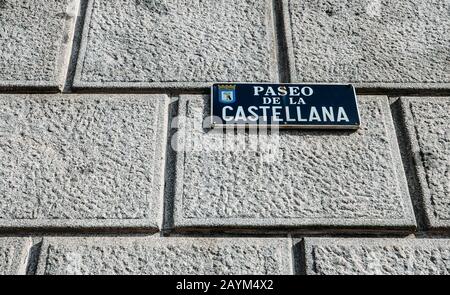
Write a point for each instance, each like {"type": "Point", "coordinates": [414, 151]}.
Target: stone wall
{"type": "Point", "coordinates": [106, 166]}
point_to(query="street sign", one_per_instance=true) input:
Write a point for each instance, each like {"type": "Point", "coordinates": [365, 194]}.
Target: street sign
{"type": "Point", "coordinates": [318, 106]}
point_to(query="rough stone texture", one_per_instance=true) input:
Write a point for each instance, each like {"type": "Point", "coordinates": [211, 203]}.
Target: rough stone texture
{"type": "Point", "coordinates": [176, 43]}
{"type": "Point", "coordinates": [34, 41]}
{"type": "Point", "coordinates": [13, 255]}
{"type": "Point", "coordinates": [296, 179]}
{"type": "Point", "coordinates": [428, 125]}
{"type": "Point", "coordinates": [81, 160]}
{"type": "Point", "coordinates": [165, 256]}
{"type": "Point", "coordinates": [377, 256]}
{"type": "Point", "coordinates": [373, 42]}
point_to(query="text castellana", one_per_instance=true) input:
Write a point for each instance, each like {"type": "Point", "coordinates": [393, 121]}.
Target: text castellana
{"type": "Point", "coordinates": [272, 107]}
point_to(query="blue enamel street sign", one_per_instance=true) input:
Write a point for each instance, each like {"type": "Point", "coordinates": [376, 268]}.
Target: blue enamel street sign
{"type": "Point", "coordinates": [332, 106]}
